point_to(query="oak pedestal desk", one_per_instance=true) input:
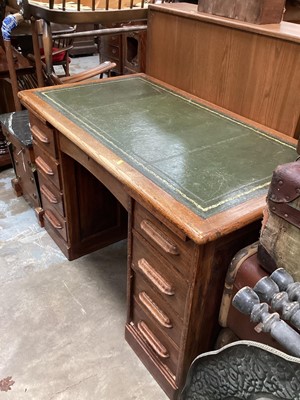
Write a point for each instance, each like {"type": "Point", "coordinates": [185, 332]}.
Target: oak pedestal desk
{"type": "Point", "coordinates": [186, 182]}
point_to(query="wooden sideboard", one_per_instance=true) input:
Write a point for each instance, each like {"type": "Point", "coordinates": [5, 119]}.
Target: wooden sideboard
{"type": "Point", "coordinates": [245, 68]}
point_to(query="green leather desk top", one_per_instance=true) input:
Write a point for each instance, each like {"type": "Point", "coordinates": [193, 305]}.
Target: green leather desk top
{"type": "Point", "coordinates": [204, 159]}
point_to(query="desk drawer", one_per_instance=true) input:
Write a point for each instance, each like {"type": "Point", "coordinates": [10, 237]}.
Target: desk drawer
{"type": "Point", "coordinates": [111, 52]}
{"type": "Point", "coordinates": [110, 41]}
{"type": "Point", "coordinates": [159, 274]}
{"type": "Point", "coordinates": [162, 347]}
{"type": "Point", "coordinates": [47, 165]}
{"type": "Point", "coordinates": [50, 193]}
{"type": "Point", "coordinates": [157, 309]}
{"type": "Point", "coordinates": [44, 136]}
{"type": "Point", "coordinates": [54, 220]}
{"type": "Point", "coordinates": [177, 251]}
{"type": "Point", "coordinates": [114, 40]}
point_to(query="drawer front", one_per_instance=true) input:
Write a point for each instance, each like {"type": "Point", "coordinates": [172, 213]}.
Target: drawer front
{"type": "Point", "coordinates": [177, 251]}
{"type": "Point", "coordinates": [47, 165]}
{"type": "Point", "coordinates": [113, 40]}
{"type": "Point", "coordinates": [157, 309]}
{"type": "Point", "coordinates": [163, 349]}
{"type": "Point", "coordinates": [158, 274]}
{"type": "Point", "coordinates": [112, 52]}
{"type": "Point", "coordinates": [54, 220]}
{"type": "Point", "coordinates": [44, 136]}
{"type": "Point", "coordinates": [51, 194]}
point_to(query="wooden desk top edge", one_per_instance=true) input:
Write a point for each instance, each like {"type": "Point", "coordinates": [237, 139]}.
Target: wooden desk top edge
{"type": "Point", "coordinates": [285, 30]}
{"type": "Point", "coordinates": [140, 187]}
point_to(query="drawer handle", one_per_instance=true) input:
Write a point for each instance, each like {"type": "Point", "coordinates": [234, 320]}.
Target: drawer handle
{"type": "Point", "coordinates": [154, 310]}
{"type": "Point", "coordinates": [44, 166]}
{"type": "Point", "coordinates": [39, 135]}
{"type": "Point", "coordinates": [49, 195]}
{"type": "Point", "coordinates": [160, 283]}
{"type": "Point", "coordinates": [152, 340]}
{"type": "Point", "coordinates": [53, 221]}
{"type": "Point", "coordinates": [160, 238]}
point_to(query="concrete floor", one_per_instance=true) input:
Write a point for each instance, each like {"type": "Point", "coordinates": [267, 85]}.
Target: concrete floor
{"type": "Point", "coordinates": [61, 322]}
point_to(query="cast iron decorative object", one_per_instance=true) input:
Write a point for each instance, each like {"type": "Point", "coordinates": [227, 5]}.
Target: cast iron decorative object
{"type": "Point", "coordinates": [243, 370]}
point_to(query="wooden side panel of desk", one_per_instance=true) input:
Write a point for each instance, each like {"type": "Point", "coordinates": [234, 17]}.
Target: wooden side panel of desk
{"type": "Point", "coordinates": [249, 73]}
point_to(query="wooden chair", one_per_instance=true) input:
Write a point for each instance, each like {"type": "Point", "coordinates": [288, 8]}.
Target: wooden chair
{"type": "Point", "coordinates": [243, 370]}
{"type": "Point", "coordinates": [29, 81]}
{"type": "Point", "coordinates": [60, 50]}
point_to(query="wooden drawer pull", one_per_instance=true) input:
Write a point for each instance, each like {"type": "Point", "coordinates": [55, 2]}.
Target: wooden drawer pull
{"type": "Point", "coordinates": [53, 221]}
{"type": "Point", "coordinates": [44, 166]}
{"type": "Point", "coordinates": [39, 135]}
{"type": "Point", "coordinates": [49, 195]}
{"type": "Point", "coordinates": [154, 310]}
{"type": "Point", "coordinates": [152, 340]}
{"type": "Point", "coordinates": [160, 238]}
{"type": "Point", "coordinates": [158, 281]}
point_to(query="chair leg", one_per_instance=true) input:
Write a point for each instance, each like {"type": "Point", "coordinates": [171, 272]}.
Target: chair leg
{"type": "Point", "coordinates": [67, 68]}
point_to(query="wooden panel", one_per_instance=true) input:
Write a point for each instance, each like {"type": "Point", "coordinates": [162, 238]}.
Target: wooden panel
{"type": "Point", "coordinates": [254, 11]}
{"type": "Point", "coordinates": [251, 74]}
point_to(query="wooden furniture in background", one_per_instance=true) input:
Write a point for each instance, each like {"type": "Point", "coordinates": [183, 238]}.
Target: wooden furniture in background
{"type": "Point", "coordinates": [83, 46]}
{"type": "Point", "coordinates": [61, 48]}
{"type": "Point", "coordinates": [22, 67]}
{"type": "Point", "coordinates": [5, 160]}
{"type": "Point", "coordinates": [134, 52]}
{"type": "Point", "coordinates": [245, 68]}
{"type": "Point", "coordinates": [127, 50]}
{"type": "Point", "coordinates": [253, 11]}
